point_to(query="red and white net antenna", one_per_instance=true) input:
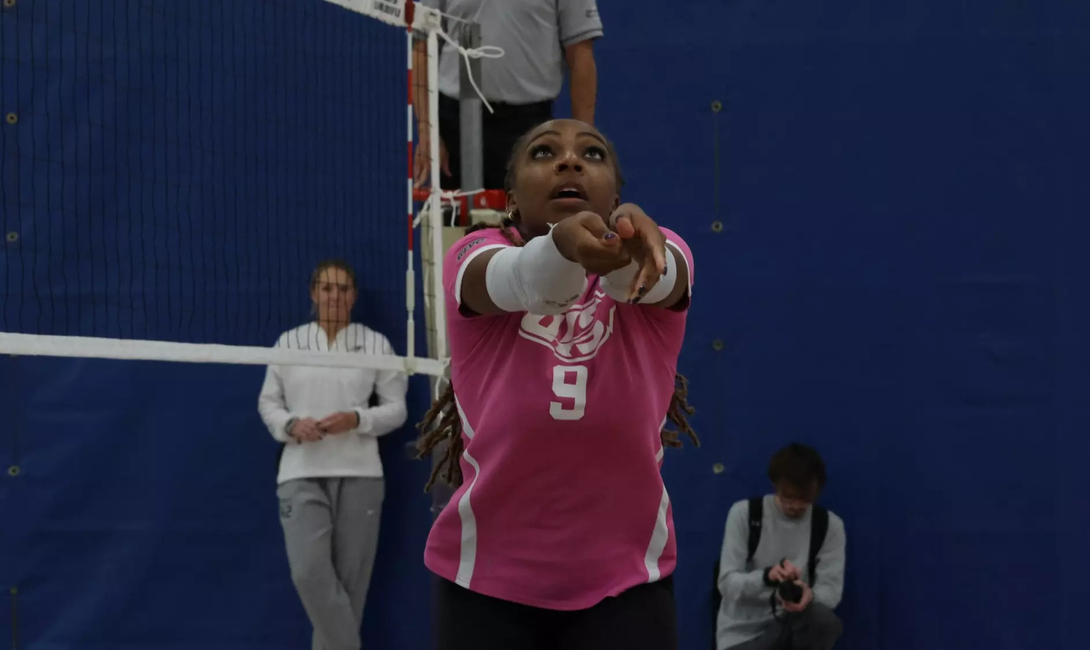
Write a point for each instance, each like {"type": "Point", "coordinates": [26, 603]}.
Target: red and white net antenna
{"type": "Point", "coordinates": [418, 18]}
{"type": "Point", "coordinates": [410, 275]}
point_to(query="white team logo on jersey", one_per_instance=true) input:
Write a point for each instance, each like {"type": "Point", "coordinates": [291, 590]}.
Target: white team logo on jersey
{"type": "Point", "coordinates": [574, 336]}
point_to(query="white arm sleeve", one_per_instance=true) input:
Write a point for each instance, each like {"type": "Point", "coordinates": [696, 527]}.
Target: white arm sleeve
{"type": "Point", "coordinates": [616, 284]}
{"type": "Point", "coordinates": [534, 278]}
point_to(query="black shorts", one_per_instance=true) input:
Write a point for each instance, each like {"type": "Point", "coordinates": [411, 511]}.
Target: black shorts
{"type": "Point", "coordinates": [501, 130]}
{"type": "Point", "coordinates": [642, 618]}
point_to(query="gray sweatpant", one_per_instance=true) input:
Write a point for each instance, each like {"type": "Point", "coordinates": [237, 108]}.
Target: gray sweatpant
{"type": "Point", "coordinates": [331, 530]}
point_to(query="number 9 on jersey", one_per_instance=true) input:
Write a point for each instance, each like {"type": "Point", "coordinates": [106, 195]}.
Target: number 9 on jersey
{"type": "Point", "coordinates": [570, 386]}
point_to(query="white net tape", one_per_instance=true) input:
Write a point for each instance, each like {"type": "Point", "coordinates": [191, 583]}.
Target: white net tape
{"type": "Point", "coordinates": [101, 348]}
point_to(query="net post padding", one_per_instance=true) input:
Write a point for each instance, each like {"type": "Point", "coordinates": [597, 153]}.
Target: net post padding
{"type": "Point", "coordinates": [485, 205]}
{"type": "Point", "coordinates": [434, 223]}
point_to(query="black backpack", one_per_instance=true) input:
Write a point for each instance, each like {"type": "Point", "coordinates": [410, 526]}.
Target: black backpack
{"type": "Point", "coordinates": [819, 526]}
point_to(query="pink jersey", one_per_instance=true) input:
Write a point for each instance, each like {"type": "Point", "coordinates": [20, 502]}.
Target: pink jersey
{"type": "Point", "coordinates": [562, 502]}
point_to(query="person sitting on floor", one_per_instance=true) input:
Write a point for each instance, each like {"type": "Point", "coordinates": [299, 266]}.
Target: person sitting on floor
{"type": "Point", "coordinates": [779, 544]}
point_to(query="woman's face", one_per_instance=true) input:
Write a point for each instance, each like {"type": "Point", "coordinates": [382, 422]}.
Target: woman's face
{"type": "Point", "coordinates": [563, 170]}
{"type": "Point", "coordinates": [333, 294]}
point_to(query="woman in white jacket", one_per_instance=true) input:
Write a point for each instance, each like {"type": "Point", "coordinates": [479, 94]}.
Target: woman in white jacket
{"type": "Point", "coordinates": [330, 482]}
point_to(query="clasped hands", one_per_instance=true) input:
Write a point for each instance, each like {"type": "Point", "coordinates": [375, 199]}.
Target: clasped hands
{"type": "Point", "coordinates": [312, 430]}
{"type": "Point", "coordinates": [602, 246]}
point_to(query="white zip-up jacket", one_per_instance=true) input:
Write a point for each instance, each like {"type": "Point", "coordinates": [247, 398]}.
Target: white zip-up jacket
{"type": "Point", "coordinates": [297, 392]}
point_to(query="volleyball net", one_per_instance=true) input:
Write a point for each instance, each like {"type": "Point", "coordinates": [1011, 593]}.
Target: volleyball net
{"type": "Point", "coordinates": [172, 173]}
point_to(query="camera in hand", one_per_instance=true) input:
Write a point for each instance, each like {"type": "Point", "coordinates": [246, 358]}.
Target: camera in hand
{"type": "Point", "coordinates": [789, 592]}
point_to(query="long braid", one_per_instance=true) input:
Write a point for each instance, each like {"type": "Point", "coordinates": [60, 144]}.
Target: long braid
{"type": "Point", "coordinates": [677, 412]}
{"type": "Point", "coordinates": [441, 422]}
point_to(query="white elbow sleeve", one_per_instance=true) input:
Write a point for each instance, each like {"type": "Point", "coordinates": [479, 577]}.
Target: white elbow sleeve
{"type": "Point", "coordinates": [534, 278]}
{"type": "Point", "coordinates": [617, 284]}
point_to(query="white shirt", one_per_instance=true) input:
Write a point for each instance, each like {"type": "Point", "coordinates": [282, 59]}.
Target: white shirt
{"type": "Point", "coordinates": [533, 35]}
{"type": "Point", "coordinates": [297, 392]}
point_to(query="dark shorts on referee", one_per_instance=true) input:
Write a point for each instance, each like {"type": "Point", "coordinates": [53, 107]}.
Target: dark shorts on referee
{"type": "Point", "coordinates": [501, 129]}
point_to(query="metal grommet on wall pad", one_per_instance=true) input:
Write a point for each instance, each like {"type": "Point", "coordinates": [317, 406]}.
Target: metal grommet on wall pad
{"type": "Point", "coordinates": [718, 468]}
{"type": "Point", "coordinates": [717, 106]}
{"type": "Point", "coordinates": [12, 118]}
{"type": "Point", "coordinates": [8, 4]}
{"type": "Point", "coordinates": [13, 470]}
{"type": "Point", "coordinates": [12, 237]}
{"type": "Point", "coordinates": [717, 345]}
{"type": "Point", "coordinates": [717, 226]}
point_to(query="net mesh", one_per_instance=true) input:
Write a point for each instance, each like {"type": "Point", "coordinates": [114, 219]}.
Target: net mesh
{"type": "Point", "coordinates": [173, 172]}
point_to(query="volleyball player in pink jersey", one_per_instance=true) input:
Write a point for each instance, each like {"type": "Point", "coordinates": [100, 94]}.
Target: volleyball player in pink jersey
{"type": "Point", "coordinates": [565, 325]}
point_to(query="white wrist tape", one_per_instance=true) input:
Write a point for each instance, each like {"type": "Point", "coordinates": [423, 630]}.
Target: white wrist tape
{"type": "Point", "coordinates": [534, 278]}
{"type": "Point", "coordinates": [617, 284]}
